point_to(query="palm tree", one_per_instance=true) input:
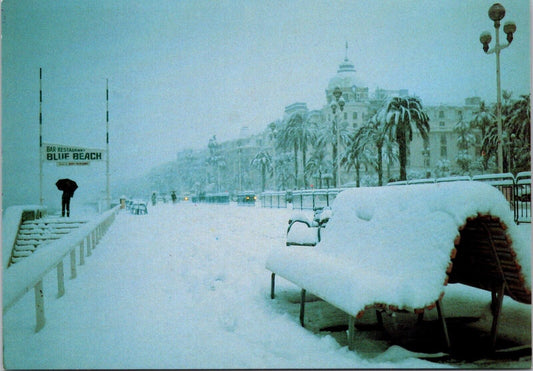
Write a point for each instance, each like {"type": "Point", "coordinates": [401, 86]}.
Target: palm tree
{"type": "Point", "coordinates": [516, 132]}
{"type": "Point", "coordinates": [517, 125]}
{"type": "Point", "coordinates": [296, 134]}
{"type": "Point", "coordinates": [318, 165]}
{"type": "Point", "coordinates": [273, 134]}
{"type": "Point", "coordinates": [327, 136]}
{"type": "Point", "coordinates": [489, 146]}
{"type": "Point", "coordinates": [483, 120]}
{"type": "Point", "coordinates": [284, 173]}
{"type": "Point", "coordinates": [519, 116]}
{"type": "Point", "coordinates": [372, 132]}
{"type": "Point", "coordinates": [358, 152]}
{"type": "Point", "coordinates": [401, 114]}
{"type": "Point", "coordinates": [390, 154]}
{"type": "Point", "coordinates": [290, 139]}
{"type": "Point", "coordinates": [262, 161]}
{"type": "Point", "coordinates": [465, 138]}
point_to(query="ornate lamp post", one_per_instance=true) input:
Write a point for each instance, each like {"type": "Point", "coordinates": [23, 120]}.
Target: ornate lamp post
{"type": "Point", "coordinates": [339, 102]}
{"type": "Point", "coordinates": [496, 13]}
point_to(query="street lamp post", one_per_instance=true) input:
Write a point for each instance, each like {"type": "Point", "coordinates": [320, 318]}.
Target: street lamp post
{"type": "Point", "coordinates": [496, 13]}
{"type": "Point", "coordinates": [509, 141]}
{"type": "Point", "coordinates": [425, 154]}
{"type": "Point", "coordinates": [274, 137]}
{"type": "Point", "coordinates": [339, 102]}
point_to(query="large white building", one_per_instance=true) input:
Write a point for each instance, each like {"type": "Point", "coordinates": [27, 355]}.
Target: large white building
{"type": "Point", "coordinates": [436, 157]}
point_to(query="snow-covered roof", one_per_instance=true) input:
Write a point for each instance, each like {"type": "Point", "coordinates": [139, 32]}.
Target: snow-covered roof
{"type": "Point", "coordinates": [394, 245]}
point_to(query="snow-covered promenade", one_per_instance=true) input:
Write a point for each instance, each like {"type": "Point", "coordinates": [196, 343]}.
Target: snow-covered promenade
{"type": "Point", "coordinates": [185, 286]}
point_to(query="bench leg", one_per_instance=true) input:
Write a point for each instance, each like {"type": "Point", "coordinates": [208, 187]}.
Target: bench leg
{"type": "Point", "coordinates": [272, 285]}
{"type": "Point", "coordinates": [443, 324]}
{"type": "Point", "coordinates": [496, 305]}
{"type": "Point", "coordinates": [302, 307]}
{"type": "Point", "coordinates": [351, 332]}
{"type": "Point", "coordinates": [379, 318]}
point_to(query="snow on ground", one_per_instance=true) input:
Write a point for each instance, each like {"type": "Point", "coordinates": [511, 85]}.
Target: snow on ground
{"type": "Point", "coordinates": [186, 287]}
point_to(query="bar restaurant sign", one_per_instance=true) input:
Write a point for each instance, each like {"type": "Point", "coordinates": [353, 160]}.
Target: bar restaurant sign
{"type": "Point", "coordinates": [64, 155]}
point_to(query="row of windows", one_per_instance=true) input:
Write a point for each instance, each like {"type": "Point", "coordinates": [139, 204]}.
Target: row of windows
{"type": "Point", "coordinates": [459, 114]}
{"type": "Point", "coordinates": [354, 116]}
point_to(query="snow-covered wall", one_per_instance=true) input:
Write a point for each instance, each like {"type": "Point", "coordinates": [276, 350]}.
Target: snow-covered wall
{"type": "Point", "coordinates": [393, 245]}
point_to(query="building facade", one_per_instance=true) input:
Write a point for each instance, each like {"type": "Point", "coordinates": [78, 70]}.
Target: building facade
{"type": "Point", "coordinates": [432, 158]}
{"type": "Point", "coordinates": [435, 157]}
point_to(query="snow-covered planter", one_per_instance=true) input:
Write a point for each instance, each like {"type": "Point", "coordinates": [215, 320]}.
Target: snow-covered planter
{"type": "Point", "coordinates": [397, 247]}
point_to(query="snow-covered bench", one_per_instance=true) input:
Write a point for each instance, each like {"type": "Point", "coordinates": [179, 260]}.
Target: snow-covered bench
{"type": "Point", "coordinates": [396, 248]}
{"type": "Point", "coordinates": [304, 231]}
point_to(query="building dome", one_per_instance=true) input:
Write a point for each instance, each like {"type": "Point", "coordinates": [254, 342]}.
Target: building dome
{"type": "Point", "coordinates": [345, 77]}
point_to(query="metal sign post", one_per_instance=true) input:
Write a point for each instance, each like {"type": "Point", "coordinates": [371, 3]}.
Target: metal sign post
{"type": "Point", "coordinates": [40, 137]}
{"type": "Point", "coordinates": [108, 197]}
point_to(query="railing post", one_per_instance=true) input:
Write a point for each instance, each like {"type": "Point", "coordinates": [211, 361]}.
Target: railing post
{"type": "Point", "coordinates": [272, 285]}
{"type": "Point", "coordinates": [60, 279]}
{"type": "Point", "coordinates": [73, 263]}
{"type": "Point", "coordinates": [302, 307]}
{"type": "Point", "coordinates": [99, 233]}
{"type": "Point", "coordinates": [89, 244]}
{"type": "Point", "coordinates": [82, 252]}
{"type": "Point", "coordinates": [496, 306]}
{"type": "Point", "coordinates": [39, 306]}
{"type": "Point", "coordinates": [351, 332]}
{"type": "Point", "coordinates": [443, 325]}
{"type": "Point", "coordinates": [515, 204]}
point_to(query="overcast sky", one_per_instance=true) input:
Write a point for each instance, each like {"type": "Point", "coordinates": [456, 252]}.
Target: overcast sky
{"type": "Point", "coordinates": [182, 71]}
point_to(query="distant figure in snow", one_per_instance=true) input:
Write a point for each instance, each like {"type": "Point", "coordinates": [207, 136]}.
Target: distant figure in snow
{"type": "Point", "coordinates": [68, 187]}
{"type": "Point", "coordinates": [154, 199]}
{"type": "Point", "coordinates": [174, 197]}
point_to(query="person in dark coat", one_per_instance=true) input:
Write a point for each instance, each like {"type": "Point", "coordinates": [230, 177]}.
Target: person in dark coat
{"type": "Point", "coordinates": [65, 202]}
{"type": "Point", "coordinates": [68, 187]}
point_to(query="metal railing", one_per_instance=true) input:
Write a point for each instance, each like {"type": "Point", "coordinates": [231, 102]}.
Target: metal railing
{"type": "Point", "coordinates": [522, 198]}
{"type": "Point", "coordinates": [29, 273]}
{"type": "Point", "coordinates": [313, 199]}
{"type": "Point", "coordinates": [214, 198]}
{"type": "Point", "coordinates": [504, 182]}
{"type": "Point", "coordinates": [274, 199]}
{"type": "Point", "coordinates": [517, 190]}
